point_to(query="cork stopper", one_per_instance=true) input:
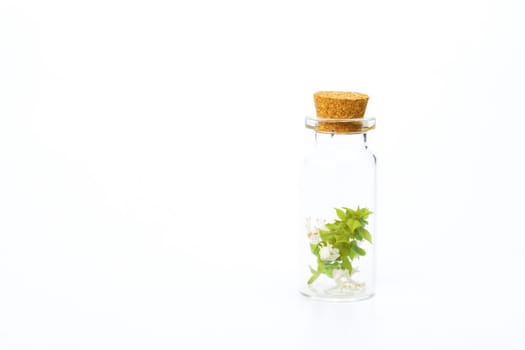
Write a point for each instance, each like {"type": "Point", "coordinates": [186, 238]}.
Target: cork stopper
{"type": "Point", "coordinates": [340, 107]}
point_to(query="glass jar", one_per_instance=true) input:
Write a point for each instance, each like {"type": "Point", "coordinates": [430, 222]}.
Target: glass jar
{"type": "Point", "coordinates": [339, 211]}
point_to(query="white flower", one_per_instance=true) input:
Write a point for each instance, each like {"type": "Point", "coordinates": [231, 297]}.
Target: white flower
{"type": "Point", "coordinates": [319, 222]}
{"type": "Point", "coordinates": [312, 224]}
{"type": "Point", "coordinates": [308, 223]}
{"type": "Point", "coordinates": [328, 253]}
{"type": "Point", "coordinates": [314, 236]}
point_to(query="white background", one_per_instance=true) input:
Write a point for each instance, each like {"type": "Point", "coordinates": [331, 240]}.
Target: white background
{"type": "Point", "coordinates": [150, 165]}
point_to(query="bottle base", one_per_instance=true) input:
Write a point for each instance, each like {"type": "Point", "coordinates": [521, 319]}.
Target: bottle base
{"type": "Point", "coordinates": [336, 295]}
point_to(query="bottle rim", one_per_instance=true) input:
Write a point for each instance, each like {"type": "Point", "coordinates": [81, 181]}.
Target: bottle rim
{"type": "Point", "coordinates": [340, 125]}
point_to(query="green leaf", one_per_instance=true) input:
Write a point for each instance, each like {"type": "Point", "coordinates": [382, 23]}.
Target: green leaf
{"type": "Point", "coordinates": [332, 226]}
{"type": "Point", "coordinates": [363, 213]}
{"type": "Point", "coordinates": [314, 277]}
{"type": "Point", "coordinates": [331, 239]}
{"type": "Point", "coordinates": [358, 250]}
{"type": "Point", "coordinates": [351, 252]}
{"type": "Point", "coordinates": [349, 212]}
{"type": "Point", "coordinates": [347, 265]}
{"type": "Point", "coordinates": [340, 214]}
{"type": "Point", "coordinates": [343, 235]}
{"type": "Point", "coordinates": [353, 224]}
{"type": "Point", "coordinates": [365, 234]}
{"type": "Point", "coordinates": [344, 247]}
{"type": "Point", "coordinates": [315, 249]}
{"type": "Point", "coordinates": [316, 274]}
{"type": "Point", "coordinates": [325, 235]}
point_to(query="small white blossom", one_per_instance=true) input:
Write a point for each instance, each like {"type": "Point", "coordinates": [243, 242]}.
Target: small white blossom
{"type": "Point", "coordinates": [308, 223]}
{"type": "Point", "coordinates": [320, 222]}
{"type": "Point", "coordinates": [314, 236]}
{"type": "Point", "coordinates": [312, 224]}
{"type": "Point", "coordinates": [328, 253]}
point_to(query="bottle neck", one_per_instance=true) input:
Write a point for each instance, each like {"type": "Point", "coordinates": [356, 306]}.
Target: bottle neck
{"type": "Point", "coordinates": [348, 141]}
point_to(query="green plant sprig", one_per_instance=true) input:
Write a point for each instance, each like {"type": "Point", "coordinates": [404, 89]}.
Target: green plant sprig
{"type": "Point", "coordinates": [342, 237]}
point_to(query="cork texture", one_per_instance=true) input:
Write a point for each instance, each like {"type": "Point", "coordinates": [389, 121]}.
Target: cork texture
{"type": "Point", "coordinates": [340, 105]}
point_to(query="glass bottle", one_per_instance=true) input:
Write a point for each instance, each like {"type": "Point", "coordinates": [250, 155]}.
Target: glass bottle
{"type": "Point", "coordinates": [339, 201]}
